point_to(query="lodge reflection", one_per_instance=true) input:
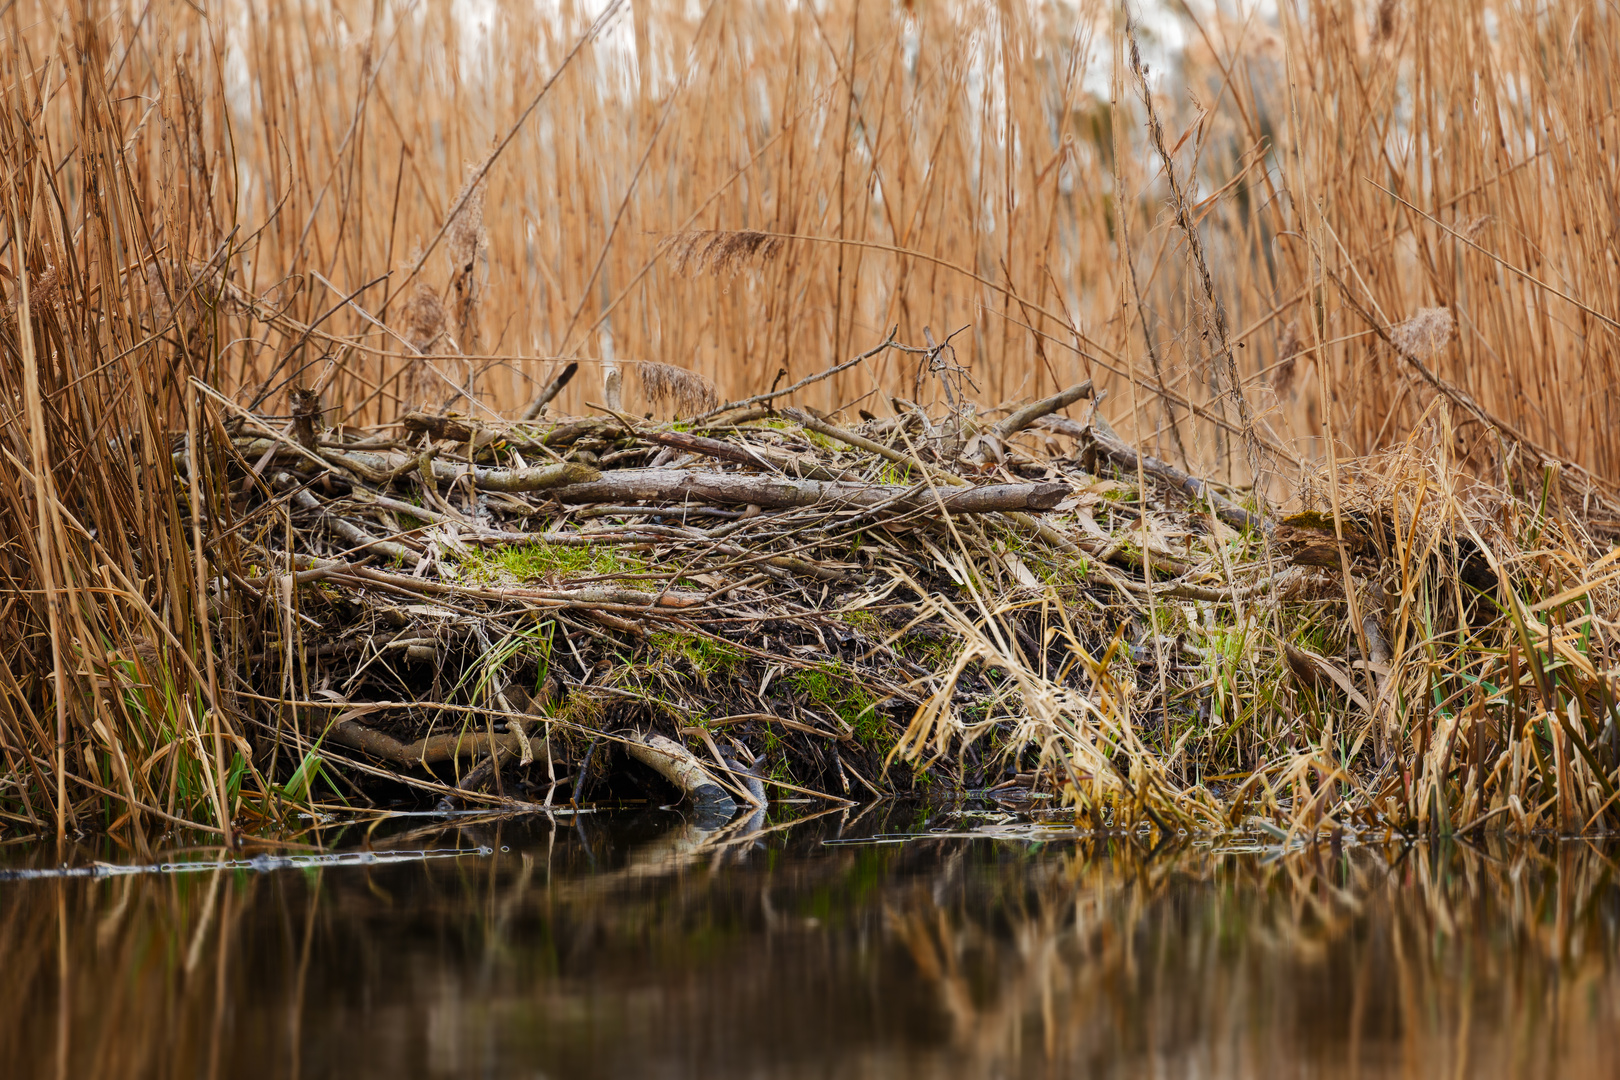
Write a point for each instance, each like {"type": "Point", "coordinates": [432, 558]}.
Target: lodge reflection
{"type": "Point", "coordinates": [619, 946]}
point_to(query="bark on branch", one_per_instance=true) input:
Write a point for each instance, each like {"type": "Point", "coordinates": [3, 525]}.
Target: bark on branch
{"type": "Point", "coordinates": [539, 478]}
{"type": "Point", "coordinates": [770, 492]}
{"type": "Point", "coordinates": [1126, 457]}
{"type": "Point", "coordinates": [680, 767]}
{"type": "Point", "coordinates": [791, 464]}
{"type": "Point", "coordinates": [433, 750]}
{"type": "Point", "coordinates": [1023, 418]}
{"type": "Point", "coordinates": [553, 388]}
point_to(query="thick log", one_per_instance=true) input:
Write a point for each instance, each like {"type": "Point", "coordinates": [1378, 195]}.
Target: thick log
{"type": "Point", "coordinates": [680, 767]}
{"type": "Point", "coordinates": [772, 492]}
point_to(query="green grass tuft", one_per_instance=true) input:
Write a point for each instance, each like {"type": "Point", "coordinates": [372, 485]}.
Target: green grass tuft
{"type": "Point", "coordinates": [838, 689]}
{"type": "Point", "coordinates": [541, 561]}
{"type": "Point", "coordinates": [705, 656]}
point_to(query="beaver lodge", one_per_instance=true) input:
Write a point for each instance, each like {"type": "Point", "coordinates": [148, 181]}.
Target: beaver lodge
{"type": "Point", "coordinates": [761, 602]}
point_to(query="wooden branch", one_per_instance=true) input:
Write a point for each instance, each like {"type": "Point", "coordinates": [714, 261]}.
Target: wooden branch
{"type": "Point", "coordinates": [1123, 455]}
{"type": "Point", "coordinates": [631, 601]}
{"type": "Point", "coordinates": [458, 427]}
{"type": "Point", "coordinates": [590, 427]}
{"type": "Point", "coordinates": [538, 478]}
{"type": "Point", "coordinates": [449, 426]}
{"type": "Point", "coordinates": [1378, 652]}
{"type": "Point", "coordinates": [680, 767]}
{"type": "Point", "coordinates": [745, 455]}
{"type": "Point", "coordinates": [774, 492]}
{"type": "Point", "coordinates": [433, 750]}
{"type": "Point", "coordinates": [1032, 412]}
{"type": "Point", "coordinates": [553, 388]}
{"type": "Point", "coordinates": [484, 770]}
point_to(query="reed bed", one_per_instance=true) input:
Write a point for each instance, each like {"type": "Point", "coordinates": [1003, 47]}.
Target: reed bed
{"type": "Point", "coordinates": [1332, 545]}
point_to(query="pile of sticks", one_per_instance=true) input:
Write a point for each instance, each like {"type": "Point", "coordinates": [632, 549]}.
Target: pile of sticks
{"type": "Point", "coordinates": [516, 611]}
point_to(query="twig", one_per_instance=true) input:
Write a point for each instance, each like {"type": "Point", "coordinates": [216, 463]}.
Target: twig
{"type": "Point", "coordinates": [1032, 412]}
{"type": "Point", "coordinates": [533, 410]}
{"type": "Point", "coordinates": [760, 399]}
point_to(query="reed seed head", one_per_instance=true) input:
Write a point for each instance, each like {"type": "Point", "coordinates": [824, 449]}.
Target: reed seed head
{"type": "Point", "coordinates": [689, 392]}
{"type": "Point", "coordinates": [720, 252]}
{"type": "Point", "coordinates": [44, 289]}
{"type": "Point", "coordinates": [1424, 334]}
{"type": "Point", "coordinates": [425, 318]}
{"type": "Point", "coordinates": [466, 238]}
{"type": "Point", "coordinates": [1288, 350]}
{"type": "Point", "coordinates": [1384, 24]}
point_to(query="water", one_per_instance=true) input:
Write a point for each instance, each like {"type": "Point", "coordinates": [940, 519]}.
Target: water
{"type": "Point", "coordinates": [933, 945]}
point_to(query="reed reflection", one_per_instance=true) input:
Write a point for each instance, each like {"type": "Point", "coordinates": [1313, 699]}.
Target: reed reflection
{"type": "Point", "coordinates": [611, 946]}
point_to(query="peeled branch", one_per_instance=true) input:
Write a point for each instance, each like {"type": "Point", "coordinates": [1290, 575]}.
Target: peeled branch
{"type": "Point", "coordinates": [539, 478]}
{"type": "Point", "coordinates": [433, 750]}
{"type": "Point", "coordinates": [681, 767]}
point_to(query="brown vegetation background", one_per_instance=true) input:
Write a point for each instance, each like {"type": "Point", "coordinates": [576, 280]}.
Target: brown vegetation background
{"type": "Point", "coordinates": [951, 166]}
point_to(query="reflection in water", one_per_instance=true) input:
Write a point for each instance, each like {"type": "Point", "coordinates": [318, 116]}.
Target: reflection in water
{"type": "Point", "coordinates": [643, 946]}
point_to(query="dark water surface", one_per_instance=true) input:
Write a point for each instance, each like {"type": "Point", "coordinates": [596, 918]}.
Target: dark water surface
{"type": "Point", "coordinates": [643, 946]}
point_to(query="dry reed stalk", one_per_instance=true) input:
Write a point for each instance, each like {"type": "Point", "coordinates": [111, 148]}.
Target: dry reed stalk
{"type": "Point", "coordinates": [103, 595]}
{"type": "Point", "coordinates": [837, 145]}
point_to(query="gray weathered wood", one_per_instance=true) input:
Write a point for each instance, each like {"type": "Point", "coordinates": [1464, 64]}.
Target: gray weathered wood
{"type": "Point", "coordinates": [773, 492]}
{"type": "Point", "coordinates": [1020, 419]}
